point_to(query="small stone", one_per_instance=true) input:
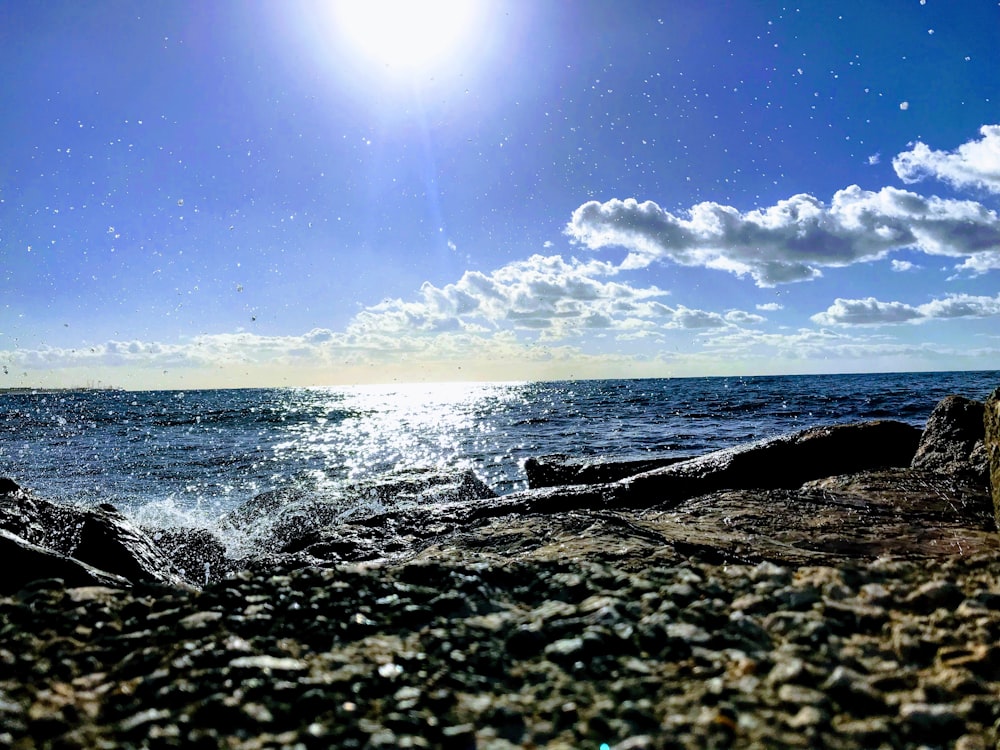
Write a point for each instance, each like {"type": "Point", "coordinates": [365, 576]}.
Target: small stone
{"type": "Point", "coordinates": [931, 720]}
{"type": "Point", "coordinates": [852, 691]}
{"type": "Point", "coordinates": [934, 595]}
{"type": "Point", "coordinates": [868, 732]}
{"type": "Point", "coordinates": [687, 632]}
{"type": "Point", "coordinates": [789, 669]}
{"type": "Point", "coordinates": [258, 712]}
{"type": "Point", "coordinates": [390, 670]}
{"type": "Point", "coordinates": [565, 650]}
{"type": "Point", "coordinates": [980, 658]}
{"type": "Point", "coordinates": [768, 571]}
{"type": "Point", "coordinates": [199, 620]}
{"type": "Point", "coordinates": [272, 663]}
{"type": "Point", "coordinates": [856, 617]}
{"type": "Point", "coordinates": [807, 716]}
{"type": "Point", "coordinates": [797, 695]}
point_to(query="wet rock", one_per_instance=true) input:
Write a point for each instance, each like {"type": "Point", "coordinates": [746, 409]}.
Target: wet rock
{"type": "Point", "coordinates": [952, 441]}
{"type": "Point", "coordinates": [9, 486]}
{"type": "Point", "coordinates": [25, 562]}
{"type": "Point", "coordinates": [100, 538]}
{"type": "Point", "coordinates": [782, 462]}
{"type": "Point", "coordinates": [110, 542]}
{"type": "Point", "coordinates": [560, 469]}
{"type": "Point", "coordinates": [196, 553]}
{"type": "Point", "coordinates": [991, 425]}
{"type": "Point", "coordinates": [292, 519]}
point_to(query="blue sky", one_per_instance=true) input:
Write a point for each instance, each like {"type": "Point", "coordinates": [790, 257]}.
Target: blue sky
{"type": "Point", "coordinates": [285, 193]}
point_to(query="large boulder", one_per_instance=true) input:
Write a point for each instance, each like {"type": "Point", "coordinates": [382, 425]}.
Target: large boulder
{"type": "Point", "coordinates": [515, 523]}
{"type": "Point", "coordinates": [24, 562]}
{"type": "Point", "coordinates": [110, 542]}
{"type": "Point", "coordinates": [783, 462]}
{"type": "Point", "coordinates": [100, 538]}
{"type": "Point", "coordinates": [952, 442]}
{"type": "Point", "coordinates": [991, 426]}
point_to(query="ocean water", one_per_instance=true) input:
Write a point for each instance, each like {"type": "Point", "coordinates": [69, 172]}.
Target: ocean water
{"type": "Point", "coordinates": [188, 457]}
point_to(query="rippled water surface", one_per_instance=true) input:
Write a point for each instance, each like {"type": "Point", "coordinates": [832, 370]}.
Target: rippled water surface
{"type": "Point", "coordinates": [189, 456]}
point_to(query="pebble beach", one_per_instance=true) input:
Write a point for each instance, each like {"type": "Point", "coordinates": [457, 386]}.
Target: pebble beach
{"type": "Point", "coordinates": [886, 654]}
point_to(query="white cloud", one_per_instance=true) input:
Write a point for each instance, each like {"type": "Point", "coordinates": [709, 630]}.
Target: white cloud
{"type": "Point", "coordinates": [795, 239]}
{"type": "Point", "coordinates": [543, 295]}
{"type": "Point", "coordinates": [874, 159]}
{"type": "Point", "coordinates": [811, 350]}
{"type": "Point", "coordinates": [521, 312]}
{"type": "Point", "coordinates": [743, 318]}
{"type": "Point", "coordinates": [865, 312]}
{"type": "Point", "coordinates": [872, 312]}
{"type": "Point", "coordinates": [903, 265]}
{"type": "Point", "coordinates": [770, 307]}
{"type": "Point", "coordinates": [975, 164]}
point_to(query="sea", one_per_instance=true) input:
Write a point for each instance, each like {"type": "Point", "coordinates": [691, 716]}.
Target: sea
{"type": "Point", "coordinates": [186, 458]}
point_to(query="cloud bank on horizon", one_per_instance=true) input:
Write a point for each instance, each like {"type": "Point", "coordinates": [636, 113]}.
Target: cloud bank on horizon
{"type": "Point", "coordinates": [483, 316]}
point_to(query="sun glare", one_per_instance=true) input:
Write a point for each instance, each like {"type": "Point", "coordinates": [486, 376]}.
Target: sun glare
{"type": "Point", "coordinates": [407, 36]}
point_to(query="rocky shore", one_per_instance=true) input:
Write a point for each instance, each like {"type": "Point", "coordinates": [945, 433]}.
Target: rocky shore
{"type": "Point", "coordinates": [839, 587]}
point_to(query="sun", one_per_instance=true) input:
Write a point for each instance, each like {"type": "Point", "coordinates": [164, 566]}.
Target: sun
{"type": "Point", "coordinates": [408, 36]}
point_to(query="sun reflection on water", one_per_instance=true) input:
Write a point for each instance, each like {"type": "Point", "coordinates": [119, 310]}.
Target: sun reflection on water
{"type": "Point", "coordinates": [359, 432]}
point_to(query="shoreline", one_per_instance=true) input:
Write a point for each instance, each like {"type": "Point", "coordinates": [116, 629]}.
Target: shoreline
{"type": "Point", "coordinates": [835, 587]}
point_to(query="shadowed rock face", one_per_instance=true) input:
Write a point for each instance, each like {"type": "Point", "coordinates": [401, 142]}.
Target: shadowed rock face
{"type": "Point", "coordinates": [80, 541]}
{"type": "Point", "coordinates": [991, 425]}
{"type": "Point", "coordinates": [24, 562]}
{"type": "Point", "coordinates": [782, 462]}
{"type": "Point", "coordinates": [952, 442]}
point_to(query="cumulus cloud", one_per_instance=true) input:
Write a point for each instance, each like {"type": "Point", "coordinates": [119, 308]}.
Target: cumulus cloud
{"type": "Point", "coordinates": [541, 304]}
{"type": "Point", "coordinates": [795, 239]}
{"type": "Point", "coordinates": [810, 349]}
{"type": "Point", "coordinates": [872, 312]}
{"type": "Point", "coordinates": [544, 295]}
{"type": "Point", "coordinates": [770, 307]}
{"type": "Point", "coordinates": [902, 265]}
{"type": "Point", "coordinates": [975, 164]}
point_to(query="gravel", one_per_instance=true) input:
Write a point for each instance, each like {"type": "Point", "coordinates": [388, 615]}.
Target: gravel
{"type": "Point", "coordinates": [893, 653]}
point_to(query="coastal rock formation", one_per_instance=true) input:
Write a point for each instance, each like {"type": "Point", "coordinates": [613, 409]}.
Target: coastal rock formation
{"type": "Point", "coordinates": [559, 470]}
{"type": "Point", "coordinates": [98, 538]}
{"type": "Point", "coordinates": [991, 424]}
{"type": "Point", "coordinates": [816, 590]}
{"type": "Point", "coordinates": [24, 563]}
{"type": "Point", "coordinates": [823, 495]}
{"type": "Point", "coordinates": [742, 505]}
{"type": "Point", "coordinates": [782, 462]}
{"type": "Point", "coordinates": [280, 519]}
{"type": "Point", "coordinates": [952, 441]}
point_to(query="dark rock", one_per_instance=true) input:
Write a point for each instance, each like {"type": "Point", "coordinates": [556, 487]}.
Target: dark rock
{"type": "Point", "coordinates": [559, 469]}
{"type": "Point", "coordinates": [24, 562]}
{"type": "Point", "coordinates": [289, 520]}
{"type": "Point", "coordinates": [782, 462]}
{"type": "Point", "coordinates": [110, 542]}
{"type": "Point", "coordinates": [197, 553]}
{"type": "Point", "coordinates": [952, 442]}
{"type": "Point", "coordinates": [991, 425]}
{"type": "Point", "coordinates": [41, 522]}
{"type": "Point", "coordinates": [9, 486]}
{"type": "Point", "coordinates": [98, 537]}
